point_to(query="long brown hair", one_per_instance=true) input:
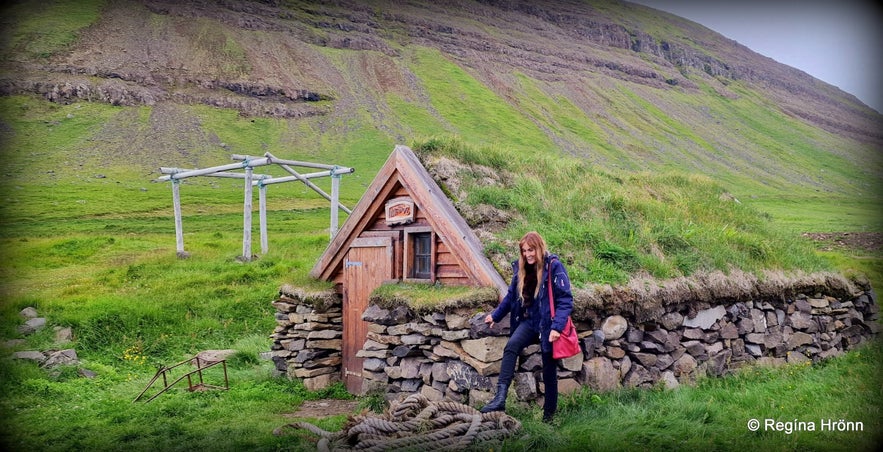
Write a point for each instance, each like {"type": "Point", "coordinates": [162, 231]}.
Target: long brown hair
{"type": "Point", "coordinates": [533, 240]}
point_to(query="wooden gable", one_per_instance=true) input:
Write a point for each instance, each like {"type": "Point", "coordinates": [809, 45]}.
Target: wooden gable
{"type": "Point", "coordinates": [383, 212]}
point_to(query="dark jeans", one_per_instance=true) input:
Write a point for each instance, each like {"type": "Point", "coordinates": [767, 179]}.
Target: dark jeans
{"type": "Point", "coordinates": [523, 336]}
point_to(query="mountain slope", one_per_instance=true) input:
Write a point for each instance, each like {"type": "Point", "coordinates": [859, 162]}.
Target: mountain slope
{"type": "Point", "coordinates": [619, 84]}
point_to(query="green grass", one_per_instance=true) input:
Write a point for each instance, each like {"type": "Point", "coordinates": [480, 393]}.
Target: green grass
{"type": "Point", "coordinates": [97, 254]}
{"type": "Point", "coordinates": [487, 121]}
{"type": "Point", "coordinates": [428, 298]}
{"type": "Point", "coordinates": [48, 27]}
{"type": "Point", "coordinates": [609, 225]}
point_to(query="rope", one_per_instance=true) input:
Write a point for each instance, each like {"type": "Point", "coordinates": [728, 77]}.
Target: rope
{"type": "Point", "coordinates": [415, 424]}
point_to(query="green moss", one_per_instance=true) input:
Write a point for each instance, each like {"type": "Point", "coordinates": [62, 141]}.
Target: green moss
{"type": "Point", "coordinates": [425, 297]}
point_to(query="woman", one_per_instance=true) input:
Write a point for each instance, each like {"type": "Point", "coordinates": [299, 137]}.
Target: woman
{"type": "Point", "coordinates": [531, 320]}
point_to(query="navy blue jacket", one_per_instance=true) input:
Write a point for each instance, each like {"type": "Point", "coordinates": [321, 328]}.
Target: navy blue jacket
{"type": "Point", "coordinates": [560, 291]}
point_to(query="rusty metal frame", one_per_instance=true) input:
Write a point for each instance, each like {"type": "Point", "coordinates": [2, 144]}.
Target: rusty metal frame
{"type": "Point", "coordinates": [201, 386]}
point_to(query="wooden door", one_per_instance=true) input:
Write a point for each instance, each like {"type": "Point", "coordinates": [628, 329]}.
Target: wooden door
{"type": "Point", "coordinates": [368, 264]}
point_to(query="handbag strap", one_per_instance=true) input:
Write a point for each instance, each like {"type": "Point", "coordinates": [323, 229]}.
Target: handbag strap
{"type": "Point", "coordinates": [549, 285]}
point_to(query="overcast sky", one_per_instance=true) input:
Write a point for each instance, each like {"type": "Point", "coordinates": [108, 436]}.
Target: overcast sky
{"type": "Point", "coordinates": [838, 42]}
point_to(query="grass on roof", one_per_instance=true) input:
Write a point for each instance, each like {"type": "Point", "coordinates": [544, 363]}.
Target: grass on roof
{"type": "Point", "coordinates": [426, 297]}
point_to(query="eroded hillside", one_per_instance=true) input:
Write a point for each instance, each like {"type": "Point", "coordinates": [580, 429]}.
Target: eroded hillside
{"type": "Point", "coordinates": [616, 83]}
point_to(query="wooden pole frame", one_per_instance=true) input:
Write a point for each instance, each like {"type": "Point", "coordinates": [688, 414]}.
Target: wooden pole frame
{"type": "Point", "coordinates": [248, 163]}
{"type": "Point", "coordinates": [246, 217]}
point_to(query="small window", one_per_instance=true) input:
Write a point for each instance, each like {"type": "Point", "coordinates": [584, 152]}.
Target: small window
{"type": "Point", "coordinates": [422, 255]}
{"type": "Point", "coordinates": [418, 258]}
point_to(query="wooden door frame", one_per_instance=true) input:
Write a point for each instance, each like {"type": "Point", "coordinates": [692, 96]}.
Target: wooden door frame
{"type": "Point", "coordinates": [362, 242]}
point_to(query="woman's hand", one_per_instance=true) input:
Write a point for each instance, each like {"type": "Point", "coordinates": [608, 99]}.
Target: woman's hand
{"type": "Point", "coordinates": [489, 320]}
{"type": "Point", "coordinates": [554, 335]}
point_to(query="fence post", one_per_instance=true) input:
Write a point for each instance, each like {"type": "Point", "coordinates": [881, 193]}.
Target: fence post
{"type": "Point", "coordinates": [246, 215]}
{"type": "Point", "coordinates": [335, 200]}
{"type": "Point", "coordinates": [179, 224]}
{"type": "Point", "coordinates": [262, 200]}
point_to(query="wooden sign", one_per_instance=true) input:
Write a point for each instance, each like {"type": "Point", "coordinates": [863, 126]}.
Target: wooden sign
{"type": "Point", "coordinates": [399, 211]}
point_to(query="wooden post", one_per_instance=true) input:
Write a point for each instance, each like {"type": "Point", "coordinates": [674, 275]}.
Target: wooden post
{"type": "Point", "coordinates": [300, 177]}
{"type": "Point", "coordinates": [335, 197]}
{"type": "Point", "coordinates": [179, 224]}
{"type": "Point", "coordinates": [246, 217]}
{"type": "Point", "coordinates": [262, 161]}
{"type": "Point", "coordinates": [262, 197]}
{"type": "Point", "coordinates": [248, 163]}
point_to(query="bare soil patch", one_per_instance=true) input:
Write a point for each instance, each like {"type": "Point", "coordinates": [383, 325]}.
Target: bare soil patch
{"type": "Point", "coordinates": [864, 241]}
{"type": "Point", "coordinates": [324, 408]}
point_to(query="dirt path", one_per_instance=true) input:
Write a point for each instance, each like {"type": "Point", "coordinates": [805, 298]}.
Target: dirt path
{"type": "Point", "coordinates": [324, 408]}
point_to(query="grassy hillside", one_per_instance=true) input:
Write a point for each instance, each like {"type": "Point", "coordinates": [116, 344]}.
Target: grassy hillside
{"type": "Point", "coordinates": [625, 174]}
{"type": "Point", "coordinates": [97, 255]}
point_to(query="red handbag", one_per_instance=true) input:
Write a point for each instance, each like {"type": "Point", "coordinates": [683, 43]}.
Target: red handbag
{"type": "Point", "coordinates": [567, 344]}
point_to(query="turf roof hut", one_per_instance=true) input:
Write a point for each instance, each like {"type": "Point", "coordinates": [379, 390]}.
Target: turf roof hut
{"type": "Point", "coordinates": [404, 228]}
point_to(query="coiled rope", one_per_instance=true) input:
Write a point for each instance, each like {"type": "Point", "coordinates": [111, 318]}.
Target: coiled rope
{"type": "Point", "coordinates": [415, 424]}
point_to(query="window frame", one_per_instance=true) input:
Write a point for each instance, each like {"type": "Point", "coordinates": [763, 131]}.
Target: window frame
{"type": "Point", "coordinates": [408, 258]}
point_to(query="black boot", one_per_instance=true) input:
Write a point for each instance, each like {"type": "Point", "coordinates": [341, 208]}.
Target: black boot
{"type": "Point", "coordinates": [499, 401]}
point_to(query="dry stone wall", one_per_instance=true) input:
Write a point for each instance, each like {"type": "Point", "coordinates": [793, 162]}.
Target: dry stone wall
{"type": "Point", "coordinates": [454, 355]}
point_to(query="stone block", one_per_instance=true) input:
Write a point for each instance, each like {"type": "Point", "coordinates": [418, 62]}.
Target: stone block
{"type": "Point", "coordinates": [63, 335]}
{"type": "Point", "coordinates": [320, 381]}
{"type": "Point", "coordinates": [684, 366]}
{"type": "Point", "coordinates": [32, 325]}
{"type": "Point", "coordinates": [465, 377]}
{"type": "Point", "coordinates": [614, 327]}
{"type": "Point", "coordinates": [636, 377]}
{"type": "Point", "coordinates": [758, 320]}
{"type": "Point", "coordinates": [396, 316]}
{"type": "Point", "coordinates": [374, 364]}
{"type": "Point", "coordinates": [454, 335]}
{"type": "Point", "coordinates": [432, 394]}
{"type": "Point", "coordinates": [803, 321]}
{"type": "Point", "coordinates": [325, 334]}
{"type": "Point", "coordinates": [384, 339]}
{"type": "Point", "coordinates": [414, 339]}
{"type": "Point", "coordinates": [634, 335]}
{"type": "Point", "coordinates": [598, 373]}
{"type": "Point", "coordinates": [372, 354]}
{"type": "Point", "coordinates": [773, 339]}
{"type": "Point", "coordinates": [310, 373]}
{"type": "Point", "coordinates": [532, 362]}
{"type": "Point", "coordinates": [393, 372]}
{"type": "Point", "coordinates": [755, 338]}
{"type": "Point", "coordinates": [645, 359]}
{"type": "Point", "coordinates": [455, 321]}
{"type": "Point", "coordinates": [411, 367]}
{"type": "Point", "coordinates": [28, 313]}
{"type": "Point", "coordinates": [799, 338]}
{"type": "Point", "coordinates": [663, 361]}
{"type": "Point", "coordinates": [568, 386]}
{"type": "Point", "coordinates": [30, 355]}
{"type": "Point", "coordinates": [705, 318]}
{"type": "Point", "coordinates": [615, 352]}
{"type": "Point", "coordinates": [331, 344]}
{"type": "Point", "coordinates": [406, 350]}
{"type": "Point", "coordinates": [525, 386]}
{"type": "Point", "coordinates": [803, 306]}
{"type": "Point", "coordinates": [795, 357]}
{"type": "Point", "coordinates": [486, 349]}
{"type": "Point", "coordinates": [694, 334]}
{"type": "Point", "coordinates": [439, 372]}
{"type": "Point", "coordinates": [818, 303]}
{"type": "Point", "coordinates": [671, 321]}
{"type": "Point", "coordinates": [729, 331]}
{"type": "Point", "coordinates": [573, 364]}
{"type": "Point", "coordinates": [669, 380]}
